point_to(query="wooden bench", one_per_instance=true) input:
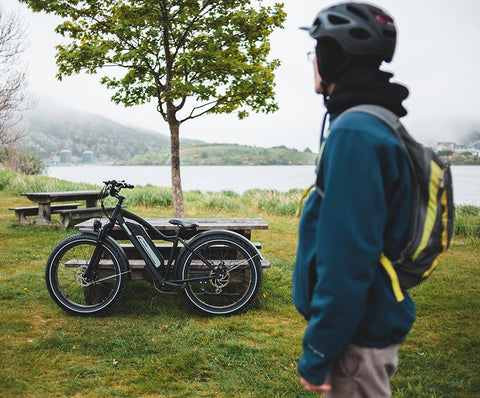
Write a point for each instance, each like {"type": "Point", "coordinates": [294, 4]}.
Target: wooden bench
{"type": "Point", "coordinates": [137, 264]}
{"type": "Point", "coordinates": [21, 213]}
{"type": "Point", "coordinates": [163, 248]}
{"type": "Point", "coordinates": [80, 214]}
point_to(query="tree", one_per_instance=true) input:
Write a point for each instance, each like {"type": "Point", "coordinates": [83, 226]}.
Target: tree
{"type": "Point", "coordinates": [191, 57]}
{"type": "Point", "coordinates": [12, 78]}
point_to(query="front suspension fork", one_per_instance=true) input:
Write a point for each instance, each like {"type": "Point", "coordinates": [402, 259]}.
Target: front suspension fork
{"type": "Point", "coordinates": [90, 273]}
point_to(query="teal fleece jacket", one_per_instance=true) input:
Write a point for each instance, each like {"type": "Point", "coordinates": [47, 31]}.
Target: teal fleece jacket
{"type": "Point", "coordinates": [339, 285]}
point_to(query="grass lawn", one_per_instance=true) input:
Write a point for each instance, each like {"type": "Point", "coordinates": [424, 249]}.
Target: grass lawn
{"type": "Point", "coordinates": [151, 345]}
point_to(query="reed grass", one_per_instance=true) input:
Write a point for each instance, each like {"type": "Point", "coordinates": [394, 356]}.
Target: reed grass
{"type": "Point", "coordinates": [466, 226]}
{"type": "Point", "coordinates": [467, 223]}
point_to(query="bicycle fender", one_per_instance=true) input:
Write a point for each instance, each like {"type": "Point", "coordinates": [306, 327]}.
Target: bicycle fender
{"type": "Point", "coordinates": [223, 231]}
{"type": "Point", "coordinates": [110, 240]}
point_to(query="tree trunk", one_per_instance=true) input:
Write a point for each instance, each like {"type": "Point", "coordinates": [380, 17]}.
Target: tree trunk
{"type": "Point", "coordinates": [178, 205]}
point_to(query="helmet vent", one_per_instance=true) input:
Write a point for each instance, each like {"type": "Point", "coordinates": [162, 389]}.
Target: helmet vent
{"type": "Point", "coordinates": [316, 25]}
{"type": "Point", "coordinates": [360, 34]}
{"type": "Point", "coordinates": [337, 20]}
{"type": "Point", "coordinates": [358, 12]}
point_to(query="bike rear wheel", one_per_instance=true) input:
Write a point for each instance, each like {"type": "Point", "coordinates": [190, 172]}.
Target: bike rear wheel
{"type": "Point", "coordinates": [239, 281]}
{"type": "Point", "coordinates": [68, 288]}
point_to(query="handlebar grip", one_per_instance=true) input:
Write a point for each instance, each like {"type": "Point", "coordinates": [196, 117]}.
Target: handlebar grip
{"type": "Point", "coordinates": [118, 184]}
{"type": "Point", "coordinates": [110, 182]}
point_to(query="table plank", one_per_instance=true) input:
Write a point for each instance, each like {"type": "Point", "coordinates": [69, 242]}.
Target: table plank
{"type": "Point", "coordinates": [62, 196]}
{"type": "Point", "coordinates": [204, 224]}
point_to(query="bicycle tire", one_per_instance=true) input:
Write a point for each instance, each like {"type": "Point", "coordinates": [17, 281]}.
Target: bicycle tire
{"type": "Point", "coordinates": [240, 285]}
{"type": "Point", "coordinates": [63, 276]}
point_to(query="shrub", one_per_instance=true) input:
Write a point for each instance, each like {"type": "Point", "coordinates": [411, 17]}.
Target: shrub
{"type": "Point", "coordinates": [21, 160]}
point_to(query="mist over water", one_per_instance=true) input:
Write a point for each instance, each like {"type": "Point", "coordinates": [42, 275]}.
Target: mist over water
{"type": "Point", "coordinates": [239, 179]}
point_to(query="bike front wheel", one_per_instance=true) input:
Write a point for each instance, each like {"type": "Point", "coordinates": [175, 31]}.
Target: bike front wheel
{"type": "Point", "coordinates": [231, 286]}
{"type": "Point", "coordinates": [71, 291]}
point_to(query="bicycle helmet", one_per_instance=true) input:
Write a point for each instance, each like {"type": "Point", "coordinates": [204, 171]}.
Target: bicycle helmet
{"type": "Point", "coordinates": [359, 29]}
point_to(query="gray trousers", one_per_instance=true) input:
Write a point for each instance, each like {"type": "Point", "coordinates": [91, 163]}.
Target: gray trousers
{"type": "Point", "coordinates": [363, 372]}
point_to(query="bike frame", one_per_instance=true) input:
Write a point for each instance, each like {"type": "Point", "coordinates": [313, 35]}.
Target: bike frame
{"type": "Point", "coordinates": [142, 241]}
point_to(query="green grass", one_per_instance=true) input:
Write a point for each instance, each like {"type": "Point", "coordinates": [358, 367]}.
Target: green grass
{"type": "Point", "coordinates": [467, 223]}
{"type": "Point", "coordinates": [151, 345]}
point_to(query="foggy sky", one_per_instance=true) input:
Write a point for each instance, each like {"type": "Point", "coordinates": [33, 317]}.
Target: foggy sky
{"type": "Point", "coordinates": [437, 58]}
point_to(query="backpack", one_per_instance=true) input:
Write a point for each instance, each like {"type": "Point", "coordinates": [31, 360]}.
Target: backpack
{"type": "Point", "coordinates": [432, 214]}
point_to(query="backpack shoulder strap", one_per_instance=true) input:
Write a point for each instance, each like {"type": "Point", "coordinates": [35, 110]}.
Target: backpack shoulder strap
{"type": "Point", "coordinates": [385, 115]}
{"type": "Point", "coordinates": [376, 110]}
{"type": "Point", "coordinates": [381, 113]}
{"type": "Point", "coordinates": [390, 119]}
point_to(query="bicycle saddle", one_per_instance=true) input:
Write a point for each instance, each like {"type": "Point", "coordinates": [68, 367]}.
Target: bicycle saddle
{"type": "Point", "coordinates": [183, 224]}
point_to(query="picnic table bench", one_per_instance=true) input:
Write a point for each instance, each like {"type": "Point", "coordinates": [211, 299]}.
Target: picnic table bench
{"type": "Point", "coordinates": [21, 213]}
{"type": "Point", "coordinates": [67, 212]}
{"type": "Point", "coordinates": [243, 226]}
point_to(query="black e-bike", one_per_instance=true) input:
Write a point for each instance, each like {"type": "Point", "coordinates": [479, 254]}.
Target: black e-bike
{"type": "Point", "coordinates": [218, 272]}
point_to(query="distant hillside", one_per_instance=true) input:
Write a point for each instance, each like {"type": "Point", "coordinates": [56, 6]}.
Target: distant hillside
{"type": "Point", "coordinates": [52, 129]}
{"type": "Point", "coordinates": [229, 154]}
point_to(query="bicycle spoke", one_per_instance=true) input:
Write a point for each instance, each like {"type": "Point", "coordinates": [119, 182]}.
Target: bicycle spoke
{"type": "Point", "coordinates": [246, 261]}
{"type": "Point", "coordinates": [96, 281]}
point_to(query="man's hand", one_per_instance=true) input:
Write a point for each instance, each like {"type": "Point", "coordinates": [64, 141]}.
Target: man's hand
{"type": "Point", "coordinates": [314, 388]}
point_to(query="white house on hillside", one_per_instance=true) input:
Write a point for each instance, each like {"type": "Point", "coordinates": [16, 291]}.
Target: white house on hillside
{"type": "Point", "coordinates": [451, 146]}
{"type": "Point", "coordinates": [445, 146]}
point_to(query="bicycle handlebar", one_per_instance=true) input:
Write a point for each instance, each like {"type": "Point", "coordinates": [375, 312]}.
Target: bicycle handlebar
{"type": "Point", "coordinates": [112, 188]}
{"type": "Point", "coordinates": [118, 184]}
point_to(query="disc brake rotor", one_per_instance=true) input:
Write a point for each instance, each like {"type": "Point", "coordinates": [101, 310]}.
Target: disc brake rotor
{"type": "Point", "coordinates": [220, 282]}
{"type": "Point", "coordinates": [79, 278]}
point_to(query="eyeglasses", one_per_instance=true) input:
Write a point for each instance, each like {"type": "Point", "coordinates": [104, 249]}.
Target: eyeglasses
{"type": "Point", "coordinates": [311, 56]}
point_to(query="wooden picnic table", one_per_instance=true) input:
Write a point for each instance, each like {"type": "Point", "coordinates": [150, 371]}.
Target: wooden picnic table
{"type": "Point", "coordinates": [243, 226]}
{"type": "Point", "coordinates": [45, 200]}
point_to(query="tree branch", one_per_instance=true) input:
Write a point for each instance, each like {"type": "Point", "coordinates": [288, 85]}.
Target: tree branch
{"type": "Point", "coordinates": [215, 103]}
{"type": "Point", "coordinates": [203, 11]}
{"type": "Point", "coordinates": [13, 96]}
{"type": "Point", "coordinates": [161, 110]}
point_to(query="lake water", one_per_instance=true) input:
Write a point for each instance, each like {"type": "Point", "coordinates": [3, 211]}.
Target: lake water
{"type": "Point", "coordinates": [239, 178]}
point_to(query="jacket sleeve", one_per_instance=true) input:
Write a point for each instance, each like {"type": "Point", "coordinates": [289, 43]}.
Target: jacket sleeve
{"type": "Point", "coordinates": [349, 241]}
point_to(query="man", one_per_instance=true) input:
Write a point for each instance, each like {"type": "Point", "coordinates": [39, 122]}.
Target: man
{"type": "Point", "coordinates": [359, 210]}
